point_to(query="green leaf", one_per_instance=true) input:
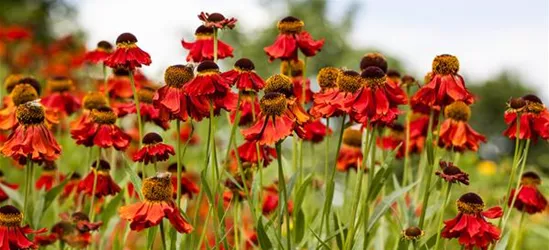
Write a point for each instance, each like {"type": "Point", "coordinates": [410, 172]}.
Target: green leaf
{"type": "Point", "coordinates": [13, 195]}
{"type": "Point", "coordinates": [151, 235]}
{"type": "Point", "coordinates": [299, 226]}
{"type": "Point", "coordinates": [319, 239]}
{"type": "Point", "coordinates": [502, 244]}
{"type": "Point", "coordinates": [403, 244]}
{"type": "Point", "coordinates": [430, 242]}
{"type": "Point", "coordinates": [341, 232]}
{"type": "Point", "coordinates": [382, 175]}
{"type": "Point", "coordinates": [300, 195]}
{"type": "Point", "coordinates": [37, 209]}
{"type": "Point", "coordinates": [111, 208]}
{"type": "Point", "coordinates": [205, 186]}
{"type": "Point", "coordinates": [386, 203]}
{"type": "Point", "coordinates": [134, 178]}
{"type": "Point", "coordinates": [54, 192]}
{"type": "Point", "coordinates": [262, 237]}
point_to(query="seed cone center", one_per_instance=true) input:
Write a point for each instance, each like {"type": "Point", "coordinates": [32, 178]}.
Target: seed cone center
{"type": "Point", "coordinates": [458, 111]}
{"type": "Point", "coordinates": [157, 189]}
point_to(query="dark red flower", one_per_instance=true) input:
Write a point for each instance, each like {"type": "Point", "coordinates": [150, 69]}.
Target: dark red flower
{"type": "Point", "coordinates": [49, 176]}
{"type": "Point", "coordinates": [149, 112]}
{"type": "Point", "coordinates": [350, 154]}
{"type": "Point", "coordinates": [217, 20]}
{"type": "Point", "coordinates": [243, 75]}
{"type": "Point", "coordinates": [290, 39]}
{"type": "Point", "coordinates": [452, 174]}
{"type": "Point", "coordinates": [119, 85]}
{"type": "Point", "coordinates": [60, 97]}
{"type": "Point", "coordinates": [71, 185]}
{"type": "Point", "coordinates": [445, 86]}
{"type": "Point", "coordinates": [247, 152]}
{"type": "Point", "coordinates": [534, 118]}
{"type": "Point", "coordinates": [104, 185]}
{"type": "Point", "coordinates": [529, 199]}
{"type": "Point", "coordinates": [188, 185]}
{"type": "Point", "coordinates": [12, 234]}
{"type": "Point", "coordinates": [419, 127]}
{"type": "Point", "coordinates": [82, 223]}
{"type": "Point", "coordinates": [99, 54]}
{"type": "Point", "coordinates": [249, 108]}
{"type": "Point", "coordinates": [3, 195]}
{"type": "Point", "coordinates": [315, 131]}
{"type": "Point", "coordinates": [270, 201]}
{"type": "Point", "coordinates": [332, 101]}
{"type": "Point", "coordinates": [153, 150]}
{"type": "Point", "coordinates": [395, 138]}
{"type": "Point", "coordinates": [157, 204]}
{"type": "Point", "coordinates": [31, 139]}
{"type": "Point", "coordinates": [203, 47]}
{"type": "Point", "coordinates": [127, 54]}
{"type": "Point", "coordinates": [15, 33]}
{"type": "Point", "coordinates": [101, 131]}
{"type": "Point", "coordinates": [470, 225]}
{"type": "Point", "coordinates": [455, 133]}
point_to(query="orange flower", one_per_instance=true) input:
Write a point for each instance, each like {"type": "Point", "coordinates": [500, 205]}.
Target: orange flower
{"type": "Point", "coordinates": [71, 185]}
{"type": "Point", "coordinates": [294, 69]}
{"type": "Point", "coordinates": [157, 204]}
{"type": "Point", "coordinates": [31, 139]}
{"type": "Point", "coordinates": [127, 54]}
{"type": "Point", "coordinates": [188, 185]}
{"type": "Point", "coordinates": [455, 134]}
{"type": "Point", "coordinates": [323, 101]}
{"type": "Point", "coordinates": [101, 131]}
{"type": "Point", "coordinates": [48, 177]}
{"type": "Point", "coordinates": [350, 154]}
{"type": "Point", "coordinates": [12, 235]}
{"type": "Point", "coordinates": [91, 101]}
{"type": "Point", "coordinates": [249, 108]}
{"type": "Point", "coordinates": [149, 112]}
{"type": "Point", "coordinates": [61, 97]}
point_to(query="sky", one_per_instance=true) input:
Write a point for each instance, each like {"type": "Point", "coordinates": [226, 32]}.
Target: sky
{"type": "Point", "coordinates": [488, 36]}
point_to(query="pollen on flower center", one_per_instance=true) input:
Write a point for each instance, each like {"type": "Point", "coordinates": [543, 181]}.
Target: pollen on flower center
{"type": "Point", "coordinates": [145, 95]}
{"type": "Point", "coordinates": [151, 138]}
{"type": "Point", "coordinates": [11, 81]}
{"type": "Point", "coordinates": [445, 65]}
{"type": "Point", "coordinates": [207, 67]}
{"type": "Point", "coordinates": [349, 81]}
{"type": "Point", "coordinates": [327, 77]}
{"type": "Point", "coordinates": [23, 93]}
{"type": "Point", "coordinates": [30, 113]}
{"type": "Point", "coordinates": [126, 39]}
{"type": "Point", "coordinates": [292, 67]}
{"type": "Point", "coordinates": [458, 111]}
{"type": "Point", "coordinates": [103, 115]}
{"type": "Point", "coordinates": [470, 203]}
{"type": "Point", "coordinates": [177, 75]}
{"type": "Point", "coordinates": [60, 84]}
{"type": "Point", "coordinates": [273, 104]}
{"type": "Point", "coordinates": [352, 137]}
{"type": "Point", "coordinates": [10, 216]}
{"type": "Point", "coordinates": [279, 83]}
{"type": "Point", "coordinates": [374, 59]}
{"type": "Point", "coordinates": [244, 64]}
{"type": "Point", "coordinates": [373, 76]}
{"type": "Point", "coordinates": [94, 100]}
{"type": "Point", "coordinates": [31, 81]}
{"type": "Point", "coordinates": [290, 25]}
{"type": "Point", "coordinates": [157, 188]}
{"type": "Point", "coordinates": [530, 179]}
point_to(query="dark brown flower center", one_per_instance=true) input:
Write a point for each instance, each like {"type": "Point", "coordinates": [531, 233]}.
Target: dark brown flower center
{"type": "Point", "coordinates": [445, 65]}
{"type": "Point", "coordinates": [177, 75]}
{"type": "Point", "coordinates": [203, 31]}
{"type": "Point", "coordinates": [157, 188]}
{"type": "Point", "coordinates": [173, 168]}
{"type": "Point", "coordinates": [105, 46]}
{"type": "Point", "coordinates": [11, 81]}
{"type": "Point", "coordinates": [292, 67]}
{"type": "Point", "coordinates": [273, 104]}
{"type": "Point", "coordinates": [470, 203]}
{"type": "Point", "coordinates": [373, 59]}
{"type": "Point", "coordinates": [290, 25]}
{"type": "Point", "coordinates": [80, 216]}
{"type": "Point", "coordinates": [60, 84]}
{"type": "Point", "coordinates": [516, 103]}
{"type": "Point", "coordinates": [121, 71]}
{"type": "Point", "coordinates": [23, 93]}
{"type": "Point", "coordinates": [327, 77]}
{"type": "Point", "coordinates": [126, 38]}
{"type": "Point", "coordinates": [451, 170]}
{"type": "Point", "coordinates": [30, 113]}
{"type": "Point", "coordinates": [413, 232]}
{"type": "Point", "coordinates": [408, 80]}
{"type": "Point", "coordinates": [103, 115]}
{"type": "Point", "coordinates": [458, 111]}
{"type": "Point", "coordinates": [94, 100]}
{"type": "Point", "coordinates": [103, 165]}
{"type": "Point", "coordinates": [373, 76]}
{"type": "Point", "coordinates": [31, 81]}
{"type": "Point", "coordinates": [62, 228]}
{"type": "Point", "coordinates": [533, 103]}
{"type": "Point", "coordinates": [244, 64]}
{"type": "Point", "coordinates": [530, 179]}
{"type": "Point", "coordinates": [75, 176]}
{"type": "Point", "coordinates": [352, 137]}
{"type": "Point", "coordinates": [10, 216]}
{"type": "Point", "coordinates": [207, 67]}
{"type": "Point", "coordinates": [216, 17]}
{"type": "Point", "coordinates": [349, 81]}
{"type": "Point", "coordinates": [145, 95]}
{"type": "Point", "coordinates": [152, 138]}
{"type": "Point", "coordinates": [49, 166]}
{"type": "Point", "coordinates": [279, 83]}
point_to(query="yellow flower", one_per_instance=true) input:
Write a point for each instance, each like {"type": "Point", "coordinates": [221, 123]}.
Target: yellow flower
{"type": "Point", "coordinates": [487, 168]}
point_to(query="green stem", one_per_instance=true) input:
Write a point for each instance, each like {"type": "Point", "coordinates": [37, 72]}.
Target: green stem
{"type": "Point", "coordinates": [234, 126]}
{"type": "Point", "coordinates": [236, 225]}
{"type": "Point", "coordinates": [282, 195]}
{"type": "Point", "coordinates": [366, 209]}
{"type": "Point", "coordinates": [215, 40]}
{"type": "Point", "coordinates": [429, 173]}
{"type": "Point", "coordinates": [514, 198]}
{"type": "Point", "coordinates": [178, 160]}
{"type": "Point", "coordinates": [407, 142]}
{"type": "Point", "coordinates": [519, 233]}
{"type": "Point", "coordinates": [28, 185]}
{"type": "Point", "coordinates": [327, 150]}
{"type": "Point", "coordinates": [95, 175]}
{"type": "Point", "coordinates": [163, 235]}
{"type": "Point", "coordinates": [441, 217]}
{"type": "Point", "coordinates": [137, 108]}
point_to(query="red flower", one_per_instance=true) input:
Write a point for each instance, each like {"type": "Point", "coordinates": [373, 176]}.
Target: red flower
{"type": "Point", "coordinates": [270, 201]}
{"type": "Point", "coordinates": [203, 48]}
{"type": "Point", "coordinates": [419, 126]}
{"type": "Point", "coordinates": [31, 139]}
{"type": "Point", "coordinates": [295, 70]}
{"type": "Point", "coordinates": [153, 150]}
{"type": "Point", "coordinates": [243, 75]}
{"type": "Point", "coordinates": [395, 139]}
{"type": "Point", "coordinates": [247, 152]}
{"type": "Point", "coordinates": [217, 20]}
{"type": "Point", "coordinates": [148, 112]}
{"type": "Point", "coordinates": [60, 98]}
{"type": "Point", "coordinates": [91, 101]}
{"type": "Point", "coordinates": [455, 134]}
{"type": "Point", "coordinates": [157, 204]}
{"type": "Point", "coordinates": [104, 186]}
{"type": "Point", "coordinates": [350, 154]}
{"type": "Point", "coordinates": [452, 174]}
{"type": "Point", "coordinates": [48, 177]}
{"type": "Point", "coordinates": [71, 185]}
{"type": "Point", "coordinates": [290, 38]}
{"type": "Point", "coordinates": [534, 118]}
{"type": "Point", "coordinates": [445, 86]}
{"type": "Point", "coordinates": [99, 54]}
{"type": "Point", "coordinates": [3, 195]}
{"type": "Point", "coordinates": [16, 33]}
{"type": "Point", "coordinates": [377, 101]}
{"type": "Point", "coordinates": [188, 185]}
{"type": "Point", "coordinates": [332, 101]}
{"type": "Point", "coordinates": [249, 109]}
{"type": "Point", "coordinates": [127, 54]}
{"type": "Point", "coordinates": [529, 199]}
{"type": "Point", "coordinates": [101, 131]}
{"type": "Point", "coordinates": [315, 131]}
{"type": "Point", "coordinates": [470, 225]}
{"type": "Point", "coordinates": [12, 235]}
{"type": "Point", "coordinates": [82, 223]}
